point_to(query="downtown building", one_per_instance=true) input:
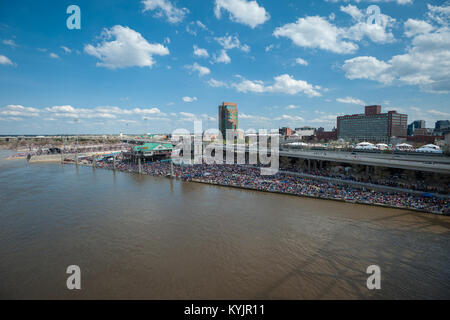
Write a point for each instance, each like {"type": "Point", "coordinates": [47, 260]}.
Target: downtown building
{"type": "Point", "coordinates": [372, 125]}
{"type": "Point", "coordinates": [228, 117]}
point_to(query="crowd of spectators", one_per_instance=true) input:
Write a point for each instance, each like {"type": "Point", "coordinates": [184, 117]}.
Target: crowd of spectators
{"type": "Point", "coordinates": [251, 178]}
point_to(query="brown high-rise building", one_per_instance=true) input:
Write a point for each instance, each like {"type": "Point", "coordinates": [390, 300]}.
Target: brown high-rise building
{"type": "Point", "coordinates": [372, 125]}
{"type": "Point", "coordinates": [228, 117]}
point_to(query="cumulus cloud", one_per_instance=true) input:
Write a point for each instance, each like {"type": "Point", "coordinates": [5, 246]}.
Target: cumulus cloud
{"type": "Point", "coordinates": [400, 2]}
{"type": "Point", "coordinates": [189, 99]}
{"type": "Point", "coordinates": [351, 100]}
{"type": "Point", "coordinates": [230, 42]}
{"type": "Point", "coordinates": [198, 68]}
{"type": "Point", "coordinates": [255, 118]}
{"type": "Point", "coordinates": [165, 8]}
{"type": "Point", "coordinates": [377, 32]}
{"type": "Point", "coordinates": [222, 57]}
{"type": "Point", "coordinates": [289, 118]}
{"type": "Point", "coordinates": [10, 42]}
{"type": "Point", "coordinates": [439, 14]}
{"type": "Point", "coordinates": [67, 111]}
{"type": "Point", "coordinates": [415, 27]}
{"type": "Point", "coordinates": [282, 84]}
{"type": "Point", "coordinates": [292, 107]}
{"type": "Point", "coordinates": [102, 112]}
{"type": "Point", "coordinates": [148, 111]}
{"type": "Point", "coordinates": [18, 110]}
{"type": "Point", "coordinates": [5, 60]}
{"type": "Point", "coordinates": [316, 32]}
{"type": "Point", "coordinates": [216, 83]}
{"type": "Point", "coordinates": [53, 55]}
{"type": "Point", "coordinates": [66, 50]}
{"type": "Point", "coordinates": [367, 67]}
{"type": "Point", "coordinates": [194, 27]}
{"type": "Point", "coordinates": [425, 63]}
{"type": "Point", "coordinates": [122, 47]}
{"type": "Point", "coordinates": [269, 47]}
{"type": "Point", "coordinates": [301, 62]}
{"type": "Point", "coordinates": [242, 11]}
{"type": "Point", "coordinates": [199, 52]}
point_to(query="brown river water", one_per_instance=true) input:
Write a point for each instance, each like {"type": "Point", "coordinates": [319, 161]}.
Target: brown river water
{"type": "Point", "coordinates": [143, 237]}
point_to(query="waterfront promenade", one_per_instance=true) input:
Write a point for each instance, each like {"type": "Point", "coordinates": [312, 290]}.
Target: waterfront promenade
{"type": "Point", "coordinates": [294, 184]}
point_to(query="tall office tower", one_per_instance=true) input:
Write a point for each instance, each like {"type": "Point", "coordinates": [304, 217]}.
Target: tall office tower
{"type": "Point", "coordinates": [228, 117]}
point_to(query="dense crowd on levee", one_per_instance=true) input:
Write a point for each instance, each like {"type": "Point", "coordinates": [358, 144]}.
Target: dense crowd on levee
{"type": "Point", "coordinates": [251, 178]}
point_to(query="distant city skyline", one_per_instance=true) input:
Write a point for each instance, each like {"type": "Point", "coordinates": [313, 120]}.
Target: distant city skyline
{"type": "Point", "coordinates": [158, 65]}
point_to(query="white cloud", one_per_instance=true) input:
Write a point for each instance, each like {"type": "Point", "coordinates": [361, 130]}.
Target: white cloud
{"type": "Point", "coordinates": [242, 11]}
{"type": "Point", "coordinates": [113, 110]}
{"type": "Point", "coordinates": [316, 32]}
{"type": "Point", "coordinates": [5, 61]}
{"type": "Point", "coordinates": [282, 84]}
{"type": "Point", "coordinates": [65, 109]}
{"type": "Point", "coordinates": [439, 14]}
{"type": "Point", "coordinates": [353, 11]}
{"type": "Point", "coordinates": [287, 84]}
{"type": "Point", "coordinates": [222, 57]}
{"type": "Point", "coordinates": [255, 118]}
{"type": "Point", "coordinates": [18, 110]}
{"type": "Point", "coordinates": [301, 62]}
{"type": "Point", "coordinates": [198, 68]}
{"type": "Point", "coordinates": [269, 47]}
{"type": "Point", "coordinates": [165, 8]}
{"type": "Point", "coordinates": [415, 27]}
{"type": "Point", "coordinates": [289, 118]}
{"type": "Point", "coordinates": [10, 42]}
{"type": "Point", "coordinates": [199, 52]}
{"type": "Point", "coordinates": [194, 27]}
{"type": "Point", "coordinates": [249, 86]}
{"type": "Point", "coordinates": [351, 100]}
{"type": "Point", "coordinates": [367, 68]}
{"type": "Point", "coordinates": [400, 2]}
{"type": "Point", "coordinates": [377, 32]}
{"type": "Point", "coordinates": [189, 99]}
{"type": "Point", "coordinates": [127, 49]}
{"type": "Point", "coordinates": [230, 42]}
{"type": "Point", "coordinates": [148, 111]}
{"type": "Point", "coordinates": [53, 55]}
{"type": "Point", "coordinates": [102, 112]}
{"type": "Point", "coordinates": [292, 107]}
{"type": "Point", "coordinates": [66, 50]}
{"type": "Point", "coordinates": [426, 63]}
{"type": "Point", "coordinates": [439, 113]}
{"type": "Point", "coordinates": [216, 83]}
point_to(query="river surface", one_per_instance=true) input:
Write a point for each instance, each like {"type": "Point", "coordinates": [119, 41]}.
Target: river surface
{"type": "Point", "coordinates": [143, 237]}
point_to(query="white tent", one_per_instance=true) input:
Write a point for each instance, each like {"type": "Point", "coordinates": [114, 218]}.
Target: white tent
{"type": "Point", "coordinates": [382, 146]}
{"type": "Point", "coordinates": [363, 144]}
{"type": "Point", "coordinates": [404, 145]}
{"type": "Point", "coordinates": [431, 146]}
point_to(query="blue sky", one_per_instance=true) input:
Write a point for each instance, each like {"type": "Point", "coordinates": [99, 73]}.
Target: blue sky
{"type": "Point", "coordinates": [157, 65]}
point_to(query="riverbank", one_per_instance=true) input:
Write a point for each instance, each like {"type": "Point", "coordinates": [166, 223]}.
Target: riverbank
{"type": "Point", "coordinates": [249, 178]}
{"type": "Point", "coordinates": [315, 197]}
